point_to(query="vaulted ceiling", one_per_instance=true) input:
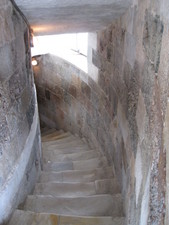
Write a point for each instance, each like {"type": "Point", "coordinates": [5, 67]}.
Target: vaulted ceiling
{"type": "Point", "coordinates": [66, 16]}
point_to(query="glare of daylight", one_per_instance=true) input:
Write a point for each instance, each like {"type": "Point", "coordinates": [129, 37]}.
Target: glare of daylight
{"type": "Point", "coordinates": [71, 47]}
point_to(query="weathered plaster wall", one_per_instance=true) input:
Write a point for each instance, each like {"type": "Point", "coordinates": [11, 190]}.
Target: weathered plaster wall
{"type": "Point", "coordinates": [19, 125]}
{"type": "Point", "coordinates": [67, 16]}
{"type": "Point", "coordinates": [123, 111]}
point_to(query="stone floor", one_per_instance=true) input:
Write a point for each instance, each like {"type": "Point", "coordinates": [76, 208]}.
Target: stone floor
{"type": "Point", "coordinates": [76, 186]}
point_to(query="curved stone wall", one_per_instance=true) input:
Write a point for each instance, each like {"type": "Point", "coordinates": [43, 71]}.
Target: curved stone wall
{"type": "Point", "coordinates": [69, 99]}
{"type": "Point", "coordinates": [19, 124]}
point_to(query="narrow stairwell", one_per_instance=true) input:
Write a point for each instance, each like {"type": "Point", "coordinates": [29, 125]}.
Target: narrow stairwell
{"type": "Point", "coordinates": [76, 186]}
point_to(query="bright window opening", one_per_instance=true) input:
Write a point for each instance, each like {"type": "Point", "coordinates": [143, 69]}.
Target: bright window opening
{"type": "Point", "coordinates": [71, 47]}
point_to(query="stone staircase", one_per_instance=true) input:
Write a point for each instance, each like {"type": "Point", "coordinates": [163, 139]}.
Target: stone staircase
{"type": "Point", "coordinates": [76, 187]}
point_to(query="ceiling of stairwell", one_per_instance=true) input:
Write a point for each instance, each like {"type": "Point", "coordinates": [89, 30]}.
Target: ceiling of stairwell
{"type": "Point", "coordinates": [67, 16]}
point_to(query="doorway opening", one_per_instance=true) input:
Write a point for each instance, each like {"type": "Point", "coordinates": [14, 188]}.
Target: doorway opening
{"type": "Point", "coordinates": [71, 47]}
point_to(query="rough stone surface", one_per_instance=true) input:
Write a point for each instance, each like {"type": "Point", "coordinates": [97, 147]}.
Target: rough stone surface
{"type": "Point", "coordinates": [17, 112]}
{"type": "Point", "coordinates": [24, 174]}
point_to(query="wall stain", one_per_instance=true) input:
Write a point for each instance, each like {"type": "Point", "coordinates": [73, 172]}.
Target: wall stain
{"type": "Point", "coordinates": [54, 220]}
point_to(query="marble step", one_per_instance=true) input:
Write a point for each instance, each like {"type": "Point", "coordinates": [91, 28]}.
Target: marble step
{"type": "Point", "coordinates": [53, 150]}
{"type": "Point", "coordinates": [75, 165]}
{"type": "Point", "coordinates": [56, 137]}
{"type": "Point", "coordinates": [107, 186]}
{"type": "Point", "coordinates": [21, 217]}
{"type": "Point", "coordinates": [72, 141]}
{"type": "Point", "coordinates": [53, 133]}
{"type": "Point", "coordinates": [46, 131]}
{"type": "Point", "coordinates": [67, 138]}
{"type": "Point", "coordinates": [53, 156]}
{"type": "Point", "coordinates": [77, 175]}
{"type": "Point", "coordinates": [98, 205]}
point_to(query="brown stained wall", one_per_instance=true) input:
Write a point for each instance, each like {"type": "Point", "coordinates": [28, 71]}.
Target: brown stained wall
{"type": "Point", "coordinates": [17, 109]}
{"type": "Point", "coordinates": [123, 113]}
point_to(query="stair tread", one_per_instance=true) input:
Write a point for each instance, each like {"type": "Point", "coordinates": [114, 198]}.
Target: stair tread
{"type": "Point", "coordinates": [21, 217]}
{"type": "Point", "coordinates": [75, 156]}
{"type": "Point", "coordinates": [74, 165]}
{"type": "Point", "coordinates": [98, 205]}
{"type": "Point", "coordinates": [48, 136]}
{"type": "Point", "coordinates": [77, 175]}
{"type": "Point", "coordinates": [56, 137]}
{"type": "Point", "coordinates": [66, 189]}
{"type": "Point", "coordinates": [51, 134]}
{"type": "Point", "coordinates": [67, 138]}
{"type": "Point", "coordinates": [64, 150]}
{"type": "Point", "coordinates": [73, 143]}
{"type": "Point", "coordinates": [78, 188]}
{"type": "Point", "coordinates": [46, 131]}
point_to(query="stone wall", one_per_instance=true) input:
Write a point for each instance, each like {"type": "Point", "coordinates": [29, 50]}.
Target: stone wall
{"type": "Point", "coordinates": [133, 58]}
{"type": "Point", "coordinates": [19, 125]}
{"type": "Point", "coordinates": [123, 111]}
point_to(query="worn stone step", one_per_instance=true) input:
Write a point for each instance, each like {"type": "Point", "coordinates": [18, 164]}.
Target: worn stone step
{"type": "Point", "coordinates": [67, 138]}
{"type": "Point", "coordinates": [53, 150]}
{"type": "Point", "coordinates": [52, 134]}
{"type": "Point", "coordinates": [50, 156]}
{"type": "Point", "coordinates": [67, 220]}
{"type": "Point", "coordinates": [46, 131]}
{"type": "Point", "coordinates": [56, 137]}
{"type": "Point", "coordinates": [57, 167]}
{"type": "Point", "coordinates": [21, 217]}
{"type": "Point", "coordinates": [75, 165]}
{"type": "Point", "coordinates": [90, 164]}
{"type": "Point", "coordinates": [98, 205]}
{"type": "Point", "coordinates": [71, 141]}
{"type": "Point", "coordinates": [52, 131]}
{"type": "Point", "coordinates": [77, 175]}
{"type": "Point", "coordinates": [106, 186]}
{"type": "Point", "coordinates": [65, 189]}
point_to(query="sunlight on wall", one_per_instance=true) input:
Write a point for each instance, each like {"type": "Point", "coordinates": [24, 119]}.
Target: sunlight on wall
{"type": "Point", "coordinates": [71, 47]}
